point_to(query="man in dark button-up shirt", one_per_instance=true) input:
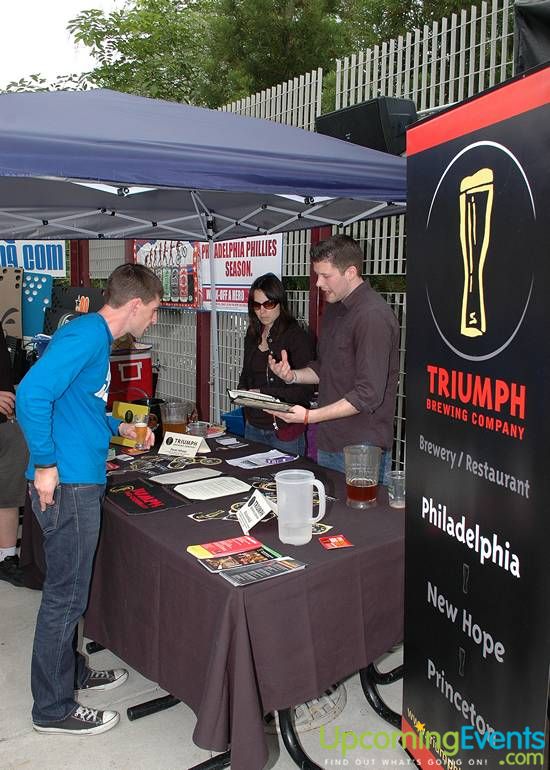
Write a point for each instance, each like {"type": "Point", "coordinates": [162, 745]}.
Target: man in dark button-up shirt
{"type": "Point", "coordinates": [357, 367]}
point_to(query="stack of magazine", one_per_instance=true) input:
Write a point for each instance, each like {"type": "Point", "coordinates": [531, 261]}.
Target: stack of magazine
{"type": "Point", "coordinates": [243, 560]}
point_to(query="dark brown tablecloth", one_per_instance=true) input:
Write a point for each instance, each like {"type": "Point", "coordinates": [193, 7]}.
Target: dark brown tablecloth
{"type": "Point", "coordinates": [235, 654]}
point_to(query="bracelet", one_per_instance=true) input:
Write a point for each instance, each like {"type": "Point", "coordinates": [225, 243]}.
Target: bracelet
{"type": "Point", "coordinates": [306, 417]}
{"type": "Point", "coordinates": [294, 378]}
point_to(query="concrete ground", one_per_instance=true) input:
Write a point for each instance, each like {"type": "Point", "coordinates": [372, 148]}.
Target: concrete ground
{"type": "Point", "coordinates": [162, 740]}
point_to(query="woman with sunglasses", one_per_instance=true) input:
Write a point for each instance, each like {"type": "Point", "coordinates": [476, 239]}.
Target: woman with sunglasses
{"type": "Point", "coordinates": [272, 328]}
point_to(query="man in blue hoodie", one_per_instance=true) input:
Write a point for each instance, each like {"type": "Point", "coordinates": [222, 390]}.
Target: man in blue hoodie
{"type": "Point", "coordinates": [61, 405]}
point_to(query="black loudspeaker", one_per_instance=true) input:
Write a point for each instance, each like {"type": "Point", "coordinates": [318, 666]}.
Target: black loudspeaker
{"type": "Point", "coordinates": [379, 123]}
{"type": "Point", "coordinates": [532, 34]}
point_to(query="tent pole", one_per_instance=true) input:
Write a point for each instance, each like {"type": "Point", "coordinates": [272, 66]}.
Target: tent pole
{"type": "Point", "coordinates": [214, 325]}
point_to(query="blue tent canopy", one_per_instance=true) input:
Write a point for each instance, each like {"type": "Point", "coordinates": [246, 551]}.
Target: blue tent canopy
{"type": "Point", "coordinates": [101, 164]}
{"type": "Point", "coordinates": [105, 164]}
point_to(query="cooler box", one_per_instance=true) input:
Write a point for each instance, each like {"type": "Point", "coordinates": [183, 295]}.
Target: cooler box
{"type": "Point", "coordinates": [131, 376]}
{"type": "Point", "coordinates": [234, 421]}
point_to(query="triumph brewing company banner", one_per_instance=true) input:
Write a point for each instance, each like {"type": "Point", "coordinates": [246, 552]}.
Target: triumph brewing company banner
{"type": "Point", "coordinates": [477, 637]}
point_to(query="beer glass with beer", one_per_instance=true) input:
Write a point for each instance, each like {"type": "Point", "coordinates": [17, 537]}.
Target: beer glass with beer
{"type": "Point", "coordinates": [362, 464]}
{"type": "Point", "coordinates": [476, 205]}
{"type": "Point", "coordinates": [140, 422]}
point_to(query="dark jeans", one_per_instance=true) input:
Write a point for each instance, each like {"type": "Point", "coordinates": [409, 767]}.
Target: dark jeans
{"type": "Point", "coordinates": [267, 436]}
{"type": "Point", "coordinates": [335, 461]}
{"type": "Point", "coordinates": [71, 529]}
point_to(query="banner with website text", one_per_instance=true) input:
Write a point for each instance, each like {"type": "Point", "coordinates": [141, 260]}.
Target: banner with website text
{"type": "Point", "coordinates": [477, 622]}
{"type": "Point", "coordinates": [40, 257]}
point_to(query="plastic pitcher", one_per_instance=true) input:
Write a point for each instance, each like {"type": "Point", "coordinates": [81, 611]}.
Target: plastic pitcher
{"type": "Point", "coordinates": [295, 505]}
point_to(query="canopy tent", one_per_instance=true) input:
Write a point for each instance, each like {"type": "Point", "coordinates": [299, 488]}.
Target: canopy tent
{"type": "Point", "coordinates": [102, 164]}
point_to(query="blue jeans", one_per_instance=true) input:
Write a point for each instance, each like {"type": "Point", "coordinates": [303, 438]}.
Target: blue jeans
{"type": "Point", "coordinates": [267, 436]}
{"type": "Point", "coordinates": [71, 530]}
{"type": "Point", "coordinates": [335, 461]}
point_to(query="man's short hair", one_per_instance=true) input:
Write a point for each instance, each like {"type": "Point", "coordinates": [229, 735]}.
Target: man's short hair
{"type": "Point", "coordinates": [130, 281]}
{"type": "Point", "coordinates": [341, 250]}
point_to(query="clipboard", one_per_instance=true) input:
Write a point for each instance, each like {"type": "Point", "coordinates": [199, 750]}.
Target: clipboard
{"type": "Point", "coordinates": [258, 401]}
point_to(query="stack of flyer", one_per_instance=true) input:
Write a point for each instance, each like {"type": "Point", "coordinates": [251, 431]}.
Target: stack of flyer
{"type": "Point", "coordinates": [243, 560]}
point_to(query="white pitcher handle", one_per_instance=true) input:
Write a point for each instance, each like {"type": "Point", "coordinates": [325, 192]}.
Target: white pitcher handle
{"type": "Point", "coordinates": [322, 500]}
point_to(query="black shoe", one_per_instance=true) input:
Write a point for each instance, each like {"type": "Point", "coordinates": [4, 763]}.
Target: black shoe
{"type": "Point", "coordinates": [11, 571]}
{"type": "Point", "coordinates": [83, 721]}
{"type": "Point", "coordinates": [104, 680]}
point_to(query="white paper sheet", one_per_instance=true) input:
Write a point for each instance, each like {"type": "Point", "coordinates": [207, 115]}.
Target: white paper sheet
{"type": "Point", "coordinates": [181, 477]}
{"type": "Point", "coordinates": [211, 488]}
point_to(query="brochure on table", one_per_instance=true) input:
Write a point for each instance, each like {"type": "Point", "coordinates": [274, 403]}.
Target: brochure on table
{"type": "Point", "coordinates": [254, 510]}
{"type": "Point", "coordinates": [257, 561]}
{"type": "Point", "coordinates": [261, 459]}
{"type": "Point", "coordinates": [242, 576]}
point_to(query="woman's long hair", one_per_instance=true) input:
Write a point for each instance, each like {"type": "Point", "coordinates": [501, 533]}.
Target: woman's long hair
{"type": "Point", "coordinates": [273, 289]}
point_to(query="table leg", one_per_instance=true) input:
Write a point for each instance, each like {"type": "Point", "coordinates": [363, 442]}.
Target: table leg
{"type": "Point", "coordinates": [292, 742]}
{"type": "Point", "coordinates": [92, 647]}
{"type": "Point", "coordinates": [151, 707]}
{"type": "Point", "coordinates": [370, 678]}
{"type": "Point", "coordinates": [215, 763]}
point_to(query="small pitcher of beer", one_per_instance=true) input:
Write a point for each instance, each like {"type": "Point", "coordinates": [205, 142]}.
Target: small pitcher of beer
{"type": "Point", "coordinates": [362, 463]}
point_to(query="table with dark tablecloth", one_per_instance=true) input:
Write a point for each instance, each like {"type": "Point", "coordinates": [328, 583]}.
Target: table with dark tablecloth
{"type": "Point", "coordinates": [235, 654]}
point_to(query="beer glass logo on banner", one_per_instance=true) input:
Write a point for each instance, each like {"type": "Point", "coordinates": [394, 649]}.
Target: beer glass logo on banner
{"type": "Point", "coordinates": [479, 299]}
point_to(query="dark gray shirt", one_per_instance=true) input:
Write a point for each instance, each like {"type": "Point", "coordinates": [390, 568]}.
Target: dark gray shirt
{"type": "Point", "coordinates": [358, 359]}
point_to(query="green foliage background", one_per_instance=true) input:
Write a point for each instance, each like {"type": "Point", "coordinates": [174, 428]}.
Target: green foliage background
{"type": "Point", "coordinates": [212, 52]}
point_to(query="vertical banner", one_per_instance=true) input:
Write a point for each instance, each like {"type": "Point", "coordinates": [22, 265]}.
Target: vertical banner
{"type": "Point", "coordinates": [477, 636]}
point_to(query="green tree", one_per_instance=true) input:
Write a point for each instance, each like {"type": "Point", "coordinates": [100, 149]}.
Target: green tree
{"type": "Point", "coordinates": [151, 48]}
{"type": "Point", "coordinates": [369, 22]}
{"type": "Point", "coordinates": [255, 44]}
{"type": "Point", "coordinates": [36, 82]}
{"type": "Point", "coordinates": [211, 52]}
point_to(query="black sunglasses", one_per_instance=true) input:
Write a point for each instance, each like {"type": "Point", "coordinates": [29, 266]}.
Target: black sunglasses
{"type": "Point", "coordinates": [269, 304]}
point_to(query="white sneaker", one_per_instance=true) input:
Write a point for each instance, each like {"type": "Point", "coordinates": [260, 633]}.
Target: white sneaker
{"type": "Point", "coordinates": [316, 712]}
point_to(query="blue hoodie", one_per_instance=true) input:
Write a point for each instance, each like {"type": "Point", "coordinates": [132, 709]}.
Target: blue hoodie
{"type": "Point", "coordinates": [61, 403]}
